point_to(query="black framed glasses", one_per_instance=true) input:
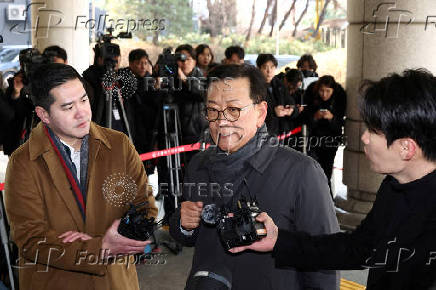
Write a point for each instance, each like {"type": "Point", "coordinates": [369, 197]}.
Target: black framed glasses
{"type": "Point", "coordinates": [231, 114]}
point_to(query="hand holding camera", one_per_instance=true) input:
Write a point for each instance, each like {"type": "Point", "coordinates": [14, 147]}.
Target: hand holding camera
{"type": "Point", "coordinates": [190, 214]}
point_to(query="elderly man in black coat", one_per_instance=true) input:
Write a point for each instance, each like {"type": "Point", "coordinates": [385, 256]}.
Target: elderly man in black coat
{"type": "Point", "coordinates": [397, 239]}
{"type": "Point", "coordinates": [246, 163]}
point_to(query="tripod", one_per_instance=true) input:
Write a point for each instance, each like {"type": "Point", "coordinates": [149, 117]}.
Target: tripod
{"type": "Point", "coordinates": [170, 113]}
{"type": "Point", "coordinates": [172, 129]}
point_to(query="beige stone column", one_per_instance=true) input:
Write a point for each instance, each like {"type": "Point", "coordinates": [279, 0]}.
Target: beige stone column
{"type": "Point", "coordinates": [54, 23]}
{"type": "Point", "coordinates": [383, 37]}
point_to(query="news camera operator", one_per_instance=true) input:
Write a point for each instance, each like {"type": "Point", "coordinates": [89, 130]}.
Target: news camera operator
{"type": "Point", "coordinates": [143, 107]}
{"type": "Point", "coordinates": [247, 163]}
{"type": "Point", "coordinates": [108, 93]}
{"type": "Point", "coordinates": [190, 97]}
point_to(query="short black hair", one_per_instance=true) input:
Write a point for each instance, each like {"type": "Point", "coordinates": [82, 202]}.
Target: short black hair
{"type": "Point", "coordinates": [188, 48]}
{"type": "Point", "coordinates": [137, 54]}
{"type": "Point", "coordinates": [293, 76]}
{"type": "Point", "coordinates": [264, 58]}
{"type": "Point", "coordinates": [49, 76]}
{"type": "Point", "coordinates": [55, 50]}
{"type": "Point", "coordinates": [231, 50]}
{"type": "Point", "coordinates": [327, 81]}
{"type": "Point", "coordinates": [199, 50]}
{"type": "Point", "coordinates": [402, 106]}
{"type": "Point", "coordinates": [309, 59]}
{"type": "Point", "coordinates": [258, 86]}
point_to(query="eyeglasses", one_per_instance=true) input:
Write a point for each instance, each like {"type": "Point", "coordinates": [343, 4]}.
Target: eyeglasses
{"type": "Point", "coordinates": [231, 114]}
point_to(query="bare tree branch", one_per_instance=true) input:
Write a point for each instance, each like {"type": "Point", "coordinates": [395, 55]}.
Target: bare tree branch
{"type": "Point", "coordinates": [285, 17]}
{"type": "Point", "coordinates": [253, 13]}
{"type": "Point", "coordinates": [265, 16]}
{"type": "Point", "coordinates": [274, 17]}
{"type": "Point", "coordinates": [300, 18]}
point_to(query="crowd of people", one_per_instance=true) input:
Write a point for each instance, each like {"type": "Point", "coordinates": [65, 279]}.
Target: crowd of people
{"type": "Point", "coordinates": [292, 102]}
{"type": "Point", "coordinates": [71, 180]}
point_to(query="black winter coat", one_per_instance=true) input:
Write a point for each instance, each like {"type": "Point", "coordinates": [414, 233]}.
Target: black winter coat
{"type": "Point", "coordinates": [277, 94]}
{"type": "Point", "coordinates": [396, 240]}
{"type": "Point", "coordinates": [190, 99]}
{"type": "Point", "coordinates": [291, 188]}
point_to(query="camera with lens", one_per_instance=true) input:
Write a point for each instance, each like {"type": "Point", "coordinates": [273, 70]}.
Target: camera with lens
{"type": "Point", "coordinates": [237, 226]}
{"type": "Point", "coordinates": [30, 59]}
{"type": "Point", "coordinates": [167, 63]}
{"type": "Point", "coordinates": [107, 50]}
{"type": "Point", "coordinates": [135, 224]}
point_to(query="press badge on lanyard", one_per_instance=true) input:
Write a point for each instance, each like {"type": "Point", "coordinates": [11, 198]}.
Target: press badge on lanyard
{"type": "Point", "coordinates": [116, 114]}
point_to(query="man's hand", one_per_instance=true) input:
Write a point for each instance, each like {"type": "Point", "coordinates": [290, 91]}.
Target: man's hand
{"type": "Point", "coordinates": [71, 236]}
{"type": "Point", "coordinates": [267, 243]}
{"type": "Point", "coordinates": [117, 244]}
{"type": "Point", "coordinates": [190, 214]}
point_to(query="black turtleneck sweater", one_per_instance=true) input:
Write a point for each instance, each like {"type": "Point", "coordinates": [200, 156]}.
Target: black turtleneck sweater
{"type": "Point", "coordinates": [396, 241]}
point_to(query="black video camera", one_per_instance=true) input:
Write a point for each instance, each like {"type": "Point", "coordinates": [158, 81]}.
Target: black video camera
{"type": "Point", "coordinates": [135, 224]}
{"type": "Point", "coordinates": [107, 50]}
{"type": "Point", "coordinates": [30, 59]}
{"type": "Point", "coordinates": [238, 226]}
{"type": "Point", "coordinates": [167, 63]}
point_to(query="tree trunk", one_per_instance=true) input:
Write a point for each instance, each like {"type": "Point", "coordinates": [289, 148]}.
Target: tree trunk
{"type": "Point", "coordinates": [253, 13]}
{"type": "Point", "coordinates": [300, 18]}
{"type": "Point", "coordinates": [285, 17]}
{"type": "Point", "coordinates": [321, 18]}
{"type": "Point", "coordinates": [265, 16]}
{"type": "Point", "coordinates": [274, 17]}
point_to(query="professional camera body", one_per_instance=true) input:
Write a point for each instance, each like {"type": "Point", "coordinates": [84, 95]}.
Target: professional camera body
{"type": "Point", "coordinates": [107, 50]}
{"type": "Point", "coordinates": [236, 226]}
{"type": "Point", "coordinates": [135, 224]}
{"type": "Point", "coordinates": [30, 60]}
{"type": "Point", "coordinates": [167, 63]}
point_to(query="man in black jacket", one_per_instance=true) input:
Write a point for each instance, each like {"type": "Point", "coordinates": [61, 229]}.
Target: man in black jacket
{"type": "Point", "coordinates": [247, 163]}
{"type": "Point", "coordinates": [397, 239]}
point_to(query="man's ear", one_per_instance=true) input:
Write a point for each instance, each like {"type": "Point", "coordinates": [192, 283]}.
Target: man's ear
{"type": "Point", "coordinates": [262, 110]}
{"type": "Point", "coordinates": [408, 148]}
{"type": "Point", "coordinates": [42, 114]}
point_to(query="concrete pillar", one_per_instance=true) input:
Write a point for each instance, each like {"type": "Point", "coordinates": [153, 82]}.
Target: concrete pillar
{"type": "Point", "coordinates": [383, 37]}
{"type": "Point", "coordinates": [53, 23]}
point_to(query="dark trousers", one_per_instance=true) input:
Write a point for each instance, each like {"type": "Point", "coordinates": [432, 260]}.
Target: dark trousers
{"type": "Point", "coordinates": [325, 155]}
{"type": "Point", "coordinates": [204, 283]}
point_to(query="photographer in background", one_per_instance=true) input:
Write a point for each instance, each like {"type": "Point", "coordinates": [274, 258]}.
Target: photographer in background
{"type": "Point", "coordinates": [107, 57]}
{"type": "Point", "coordinates": [244, 164]}
{"type": "Point", "coordinates": [17, 97]}
{"type": "Point", "coordinates": [190, 98]}
{"type": "Point", "coordinates": [143, 107]}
